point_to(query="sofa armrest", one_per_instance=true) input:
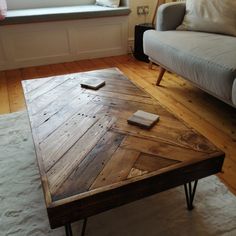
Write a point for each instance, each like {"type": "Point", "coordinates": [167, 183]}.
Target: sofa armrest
{"type": "Point", "coordinates": [170, 16]}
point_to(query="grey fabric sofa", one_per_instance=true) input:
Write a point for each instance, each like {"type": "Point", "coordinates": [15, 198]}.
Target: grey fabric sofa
{"type": "Point", "coordinates": [207, 60]}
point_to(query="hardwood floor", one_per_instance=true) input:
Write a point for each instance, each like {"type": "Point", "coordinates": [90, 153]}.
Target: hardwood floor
{"type": "Point", "coordinates": [206, 114]}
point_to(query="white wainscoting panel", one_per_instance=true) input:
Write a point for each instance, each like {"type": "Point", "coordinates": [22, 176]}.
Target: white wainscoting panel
{"type": "Point", "coordinates": [53, 42]}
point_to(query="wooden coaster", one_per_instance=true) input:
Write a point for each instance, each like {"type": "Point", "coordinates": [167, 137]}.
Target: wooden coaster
{"type": "Point", "coordinates": [143, 119]}
{"type": "Point", "coordinates": [92, 83]}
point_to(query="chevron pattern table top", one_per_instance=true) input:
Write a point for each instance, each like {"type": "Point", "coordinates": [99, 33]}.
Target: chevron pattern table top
{"type": "Point", "coordinates": [91, 160]}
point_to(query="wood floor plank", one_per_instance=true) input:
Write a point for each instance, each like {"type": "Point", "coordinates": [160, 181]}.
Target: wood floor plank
{"type": "Point", "coordinates": [72, 67]}
{"type": "Point", "coordinates": [44, 71]}
{"type": "Point", "coordinates": [4, 99]}
{"type": "Point", "coordinates": [29, 73]}
{"type": "Point", "coordinates": [15, 92]}
{"type": "Point", "coordinates": [86, 65]}
{"type": "Point", "coordinates": [58, 69]}
{"type": "Point", "coordinates": [99, 64]}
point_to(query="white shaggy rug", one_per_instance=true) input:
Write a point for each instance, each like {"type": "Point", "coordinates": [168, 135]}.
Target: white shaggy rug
{"type": "Point", "coordinates": [23, 213]}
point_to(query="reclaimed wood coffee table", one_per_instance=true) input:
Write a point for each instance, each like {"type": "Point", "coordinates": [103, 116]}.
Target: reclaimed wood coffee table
{"type": "Point", "coordinates": [91, 160]}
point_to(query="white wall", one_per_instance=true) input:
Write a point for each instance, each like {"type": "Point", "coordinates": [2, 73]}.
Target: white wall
{"type": "Point", "coordinates": [136, 19]}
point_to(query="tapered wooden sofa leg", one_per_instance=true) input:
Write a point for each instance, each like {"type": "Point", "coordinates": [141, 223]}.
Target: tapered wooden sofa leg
{"type": "Point", "coordinates": [161, 73]}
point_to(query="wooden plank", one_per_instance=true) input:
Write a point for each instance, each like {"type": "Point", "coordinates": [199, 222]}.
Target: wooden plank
{"type": "Point", "coordinates": [109, 76]}
{"type": "Point", "coordinates": [52, 83]}
{"type": "Point", "coordinates": [29, 73]}
{"type": "Point", "coordinates": [4, 99]}
{"type": "Point", "coordinates": [149, 163]}
{"type": "Point", "coordinates": [15, 92]}
{"type": "Point", "coordinates": [60, 141]}
{"type": "Point", "coordinates": [58, 69]}
{"type": "Point", "coordinates": [117, 169]}
{"type": "Point", "coordinates": [52, 108]}
{"type": "Point", "coordinates": [72, 67]}
{"type": "Point", "coordinates": [73, 157]}
{"type": "Point", "coordinates": [126, 97]}
{"type": "Point", "coordinates": [124, 89]}
{"type": "Point", "coordinates": [227, 174]}
{"type": "Point", "coordinates": [31, 85]}
{"type": "Point", "coordinates": [99, 64]}
{"type": "Point", "coordinates": [161, 149]}
{"type": "Point", "coordinates": [44, 71]}
{"type": "Point", "coordinates": [56, 120]}
{"type": "Point", "coordinates": [110, 73]}
{"type": "Point", "coordinates": [131, 106]}
{"type": "Point", "coordinates": [178, 136]}
{"type": "Point", "coordinates": [49, 97]}
{"type": "Point", "coordinates": [83, 177]}
{"type": "Point", "coordinates": [86, 65]}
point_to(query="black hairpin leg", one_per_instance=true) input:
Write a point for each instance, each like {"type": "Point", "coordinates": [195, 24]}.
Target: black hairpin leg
{"type": "Point", "coordinates": [68, 228]}
{"type": "Point", "coordinates": [84, 227]}
{"type": "Point", "coordinates": [189, 193]}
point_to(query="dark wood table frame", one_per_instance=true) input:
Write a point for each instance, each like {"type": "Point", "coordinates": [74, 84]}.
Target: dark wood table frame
{"type": "Point", "coordinates": [90, 160]}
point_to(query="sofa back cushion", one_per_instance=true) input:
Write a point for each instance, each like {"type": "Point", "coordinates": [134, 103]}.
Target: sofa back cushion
{"type": "Point", "coordinates": [213, 16]}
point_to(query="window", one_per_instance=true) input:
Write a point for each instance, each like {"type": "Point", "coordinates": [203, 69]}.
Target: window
{"type": "Point", "coordinates": [28, 4]}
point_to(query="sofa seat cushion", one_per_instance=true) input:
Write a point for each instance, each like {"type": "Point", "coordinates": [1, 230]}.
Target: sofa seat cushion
{"type": "Point", "coordinates": [208, 60]}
